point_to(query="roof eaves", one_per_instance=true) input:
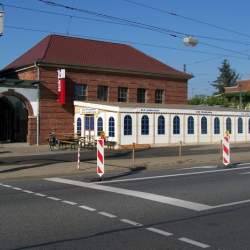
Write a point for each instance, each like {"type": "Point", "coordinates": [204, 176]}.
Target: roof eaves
{"type": "Point", "coordinates": [183, 76]}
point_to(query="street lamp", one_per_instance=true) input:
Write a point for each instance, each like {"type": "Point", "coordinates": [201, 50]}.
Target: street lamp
{"type": "Point", "coordinates": [190, 41]}
{"type": "Point", "coordinates": [1, 19]}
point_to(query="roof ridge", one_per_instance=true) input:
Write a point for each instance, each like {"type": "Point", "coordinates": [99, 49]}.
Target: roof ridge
{"type": "Point", "coordinates": [90, 39]}
{"type": "Point", "coordinates": [47, 47]}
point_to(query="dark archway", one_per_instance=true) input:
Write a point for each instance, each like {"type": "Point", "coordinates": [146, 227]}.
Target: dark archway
{"type": "Point", "coordinates": [13, 119]}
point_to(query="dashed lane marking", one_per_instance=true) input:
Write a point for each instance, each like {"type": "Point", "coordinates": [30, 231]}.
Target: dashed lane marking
{"type": "Point", "coordinates": [53, 198]}
{"type": "Point", "coordinates": [39, 194]}
{"type": "Point", "coordinates": [143, 195]}
{"type": "Point", "coordinates": [159, 231]}
{"type": "Point", "coordinates": [131, 222]}
{"type": "Point", "coordinates": [88, 208]}
{"type": "Point", "coordinates": [69, 202]}
{"type": "Point", "coordinates": [194, 242]}
{"type": "Point", "coordinates": [107, 214]}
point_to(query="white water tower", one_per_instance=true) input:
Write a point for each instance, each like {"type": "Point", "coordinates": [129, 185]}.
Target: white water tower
{"type": "Point", "coordinates": [1, 19]}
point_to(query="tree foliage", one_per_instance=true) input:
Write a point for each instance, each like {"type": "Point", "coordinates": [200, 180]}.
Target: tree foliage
{"type": "Point", "coordinates": [227, 77]}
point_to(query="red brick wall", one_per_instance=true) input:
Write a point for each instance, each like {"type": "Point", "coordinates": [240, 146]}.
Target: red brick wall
{"type": "Point", "coordinates": [54, 116]}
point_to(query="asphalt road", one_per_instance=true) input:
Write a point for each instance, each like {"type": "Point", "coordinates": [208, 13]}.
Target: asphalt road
{"type": "Point", "coordinates": [88, 155]}
{"type": "Point", "coordinates": [180, 209]}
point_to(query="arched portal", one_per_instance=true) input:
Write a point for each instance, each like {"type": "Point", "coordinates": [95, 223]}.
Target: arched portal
{"type": "Point", "coordinates": [13, 118]}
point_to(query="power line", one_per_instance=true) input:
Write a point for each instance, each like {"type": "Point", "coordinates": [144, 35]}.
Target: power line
{"type": "Point", "coordinates": [187, 18]}
{"type": "Point", "coordinates": [135, 23]}
{"type": "Point", "coordinates": [118, 23]}
{"type": "Point", "coordinates": [124, 41]}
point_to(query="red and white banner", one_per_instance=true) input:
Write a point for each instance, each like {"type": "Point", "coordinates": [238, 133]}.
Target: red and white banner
{"type": "Point", "coordinates": [61, 86]}
{"type": "Point", "coordinates": [100, 157]}
{"type": "Point", "coordinates": [226, 150]}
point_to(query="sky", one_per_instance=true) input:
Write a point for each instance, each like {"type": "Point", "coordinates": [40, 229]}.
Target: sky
{"type": "Point", "coordinates": [221, 27]}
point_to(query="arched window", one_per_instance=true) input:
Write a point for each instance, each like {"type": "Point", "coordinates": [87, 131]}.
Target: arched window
{"type": "Point", "coordinates": [203, 125]}
{"type": "Point", "coordinates": [249, 125]}
{"type": "Point", "coordinates": [190, 125]}
{"type": "Point", "coordinates": [176, 125]}
{"type": "Point", "coordinates": [111, 127]}
{"type": "Point", "coordinates": [127, 125]}
{"type": "Point", "coordinates": [240, 125]}
{"type": "Point", "coordinates": [99, 126]}
{"type": "Point", "coordinates": [79, 126]}
{"type": "Point", "coordinates": [229, 125]}
{"type": "Point", "coordinates": [161, 125]}
{"type": "Point", "coordinates": [216, 126]}
{"type": "Point", "coordinates": [145, 125]}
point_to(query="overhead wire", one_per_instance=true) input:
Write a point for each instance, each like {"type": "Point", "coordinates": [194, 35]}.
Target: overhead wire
{"type": "Point", "coordinates": [187, 18]}
{"type": "Point", "coordinates": [124, 41]}
{"type": "Point", "coordinates": [138, 24]}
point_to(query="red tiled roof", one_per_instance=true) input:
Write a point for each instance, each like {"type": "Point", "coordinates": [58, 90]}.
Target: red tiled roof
{"type": "Point", "coordinates": [242, 86]}
{"type": "Point", "coordinates": [56, 49]}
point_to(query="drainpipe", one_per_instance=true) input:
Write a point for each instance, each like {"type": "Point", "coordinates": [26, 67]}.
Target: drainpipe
{"type": "Point", "coordinates": [38, 106]}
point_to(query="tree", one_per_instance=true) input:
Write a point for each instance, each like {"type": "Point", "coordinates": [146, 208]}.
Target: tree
{"type": "Point", "coordinates": [227, 77]}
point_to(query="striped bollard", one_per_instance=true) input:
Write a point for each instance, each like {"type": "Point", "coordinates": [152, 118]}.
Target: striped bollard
{"type": "Point", "coordinates": [226, 150]}
{"type": "Point", "coordinates": [100, 157]}
{"type": "Point", "coordinates": [78, 156]}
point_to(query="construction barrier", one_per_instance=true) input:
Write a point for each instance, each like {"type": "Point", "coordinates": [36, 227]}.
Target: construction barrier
{"type": "Point", "coordinates": [100, 157]}
{"type": "Point", "coordinates": [226, 150]}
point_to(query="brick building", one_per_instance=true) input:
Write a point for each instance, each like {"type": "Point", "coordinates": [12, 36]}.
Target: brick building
{"type": "Point", "coordinates": [95, 71]}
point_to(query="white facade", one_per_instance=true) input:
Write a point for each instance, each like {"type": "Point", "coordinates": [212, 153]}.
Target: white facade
{"type": "Point", "coordinates": [162, 125]}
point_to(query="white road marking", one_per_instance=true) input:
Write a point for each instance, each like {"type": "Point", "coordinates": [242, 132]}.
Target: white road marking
{"type": "Point", "coordinates": [174, 175]}
{"type": "Point", "coordinates": [155, 230]}
{"type": "Point", "coordinates": [53, 198]}
{"type": "Point", "coordinates": [39, 194]}
{"type": "Point", "coordinates": [143, 195]}
{"type": "Point", "coordinates": [27, 191]}
{"type": "Point", "coordinates": [194, 242]}
{"type": "Point", "coordinates": [88, 208]}
{"type": "Point", "coordinates": [131, 222]}
{"type": "Point", "coordinates": [231, 204]}
{"type": "Point", "coordinates": [7, 186]}
{"type": "Point", "coordinates": [107, 214]}
{"type": "Point", "coordinates": [17, 188]}
{"type": "Point", "coordinates": [69, 202]}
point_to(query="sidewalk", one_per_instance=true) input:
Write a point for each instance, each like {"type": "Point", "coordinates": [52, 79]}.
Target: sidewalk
{"type": "Point", "coordinates": [147, 160]}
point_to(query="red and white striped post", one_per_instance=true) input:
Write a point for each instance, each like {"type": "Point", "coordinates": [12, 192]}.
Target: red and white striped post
{"type": "Point", "coordinates": [226, 150]}
{"type": "Point", "coordinates": [78, 156]}
{"type": "Point", "coordinates": [100, 157]}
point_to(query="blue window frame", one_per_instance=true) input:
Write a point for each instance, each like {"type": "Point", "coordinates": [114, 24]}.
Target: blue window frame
{"type": "Point", "coordinates": [99, 126]}
{"type": "Point", "coordinates": [145, 125]}
{"type": "Point", "coordinates": [89, 122]}
{"type": "Point", "coordinates": [176, 125]}
{"type": "Point", "coordinates": [229, 125]}
{"type": "Point", "coordinates": [240, 125]}
{"type": "Point", "coordinates": [161, 125]}
{"type": "Point", "coordinates": [127, 125]}
{"type": "Point", "coordinates": [216, 126]}
{"type": "Point", "coordinates": [111, 127]}
{"type": "Point", "coordinates": [190, 125]}
{"type": "Point", "coordinates": [203, 125]}
{"type": "Point", "coordinates": [79, 126]}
